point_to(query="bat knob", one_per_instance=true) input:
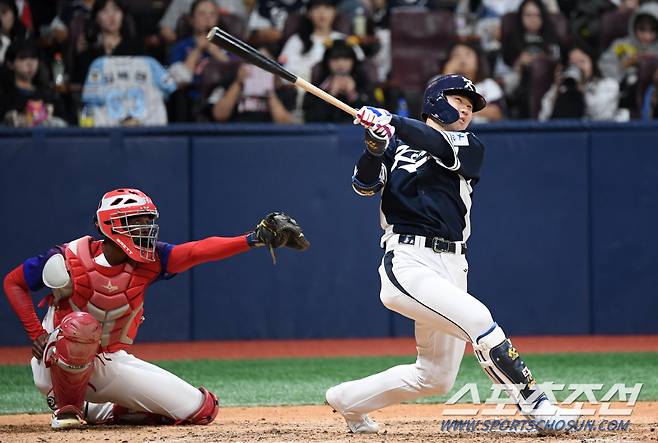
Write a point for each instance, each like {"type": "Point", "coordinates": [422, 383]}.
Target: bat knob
{"type": "Point", "coordinates": [212, 32]}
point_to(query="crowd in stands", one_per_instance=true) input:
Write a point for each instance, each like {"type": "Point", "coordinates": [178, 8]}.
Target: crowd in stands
{"type": "Point", "coordinates": [148, 62]}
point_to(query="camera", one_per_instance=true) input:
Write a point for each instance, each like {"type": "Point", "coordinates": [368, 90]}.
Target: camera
{"type": "Point", "coordinates": [571, 76]}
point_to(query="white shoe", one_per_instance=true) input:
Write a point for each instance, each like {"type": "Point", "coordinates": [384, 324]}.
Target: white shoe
{"type": "Point", "coordinates": [358, 423]}
{"type": "Point", "coordinates": [68, 417]}
{"type": "Point", "coordinates": [551, 419]}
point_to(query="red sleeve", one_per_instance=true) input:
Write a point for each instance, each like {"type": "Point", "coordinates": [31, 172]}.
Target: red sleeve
{"type": "Point", "coordinates": [18, 294]}
{"type": "Point", "coordinates": [187, 255]}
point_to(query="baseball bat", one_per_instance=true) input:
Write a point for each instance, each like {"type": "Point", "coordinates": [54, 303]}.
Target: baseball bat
{"type": "Point", "coordinates": [249, 54]}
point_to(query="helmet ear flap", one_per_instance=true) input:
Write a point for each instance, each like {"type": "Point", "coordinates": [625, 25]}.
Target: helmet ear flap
{"type": "Point", "coordinates": [96, 225]}
{"type": "Point", "coordinates": [442, 110]}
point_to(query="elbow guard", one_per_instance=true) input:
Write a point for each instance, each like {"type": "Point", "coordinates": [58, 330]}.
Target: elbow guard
{"type": "Point", "coordinates": [368, 190]}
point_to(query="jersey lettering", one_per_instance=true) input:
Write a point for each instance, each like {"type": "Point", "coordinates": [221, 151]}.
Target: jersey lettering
{"type": "Point", "coordinates": [458, 138]}
{"type": "Point", "coordinates": [411, 159]}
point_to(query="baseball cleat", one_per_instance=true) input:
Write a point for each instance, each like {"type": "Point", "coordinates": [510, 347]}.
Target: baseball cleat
{"type": "Point", "coordinates": [68, 417]}
{"type": "Point", "coordinates": [357, 423]}
{"type": "Point", "coordinates": [551, 419]}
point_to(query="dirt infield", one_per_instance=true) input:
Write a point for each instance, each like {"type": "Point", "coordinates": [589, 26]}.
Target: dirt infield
{"type": "Point", "coordinates": [404, 423]}
{"type": "Point", "coordinates": [240, 349]}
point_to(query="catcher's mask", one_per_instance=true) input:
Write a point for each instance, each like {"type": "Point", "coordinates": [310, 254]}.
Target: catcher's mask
{"type": "Point", "coordinates": [128, 217]}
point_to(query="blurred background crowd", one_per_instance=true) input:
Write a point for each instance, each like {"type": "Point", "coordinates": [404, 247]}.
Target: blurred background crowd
{"type": "Point", "coordinates": [148, 62]}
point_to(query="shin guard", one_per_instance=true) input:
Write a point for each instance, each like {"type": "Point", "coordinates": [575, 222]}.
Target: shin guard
{"type": "Point", "coordinates": [503, 365]}
{"type": "Point", "coordinates": [208, 410]}
{"type": "Point", "coordinates": [71, 364]}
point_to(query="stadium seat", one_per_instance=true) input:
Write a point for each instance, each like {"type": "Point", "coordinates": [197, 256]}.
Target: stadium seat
{"type": "Point", "coordinates": [541, 78]}
{"type": "Point", "coordinates": [419, 44]}
{"type": "Point", "coordinates": [614, 25]}
{"type": "Point", "coordinates": [217, 73]}
{"type": "Point", "coordinates": [646, 66]}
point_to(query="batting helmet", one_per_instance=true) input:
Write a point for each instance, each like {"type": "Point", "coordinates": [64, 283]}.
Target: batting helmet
{"type": "Point", "coordinates": [115, 219]}
{"type": "Point", "coordinates": [436, 105]}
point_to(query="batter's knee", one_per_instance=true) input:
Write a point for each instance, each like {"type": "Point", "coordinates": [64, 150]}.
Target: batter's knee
{"type": "Point", "coordinates": [480, 321]}
{"type": "Point", "coordinates": [434, 382]}
{"type": "Point", "coordinates": [391, 299]}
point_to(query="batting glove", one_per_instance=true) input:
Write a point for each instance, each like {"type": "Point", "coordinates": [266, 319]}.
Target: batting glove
{"type": "Point", "coordinates": [369, 117]}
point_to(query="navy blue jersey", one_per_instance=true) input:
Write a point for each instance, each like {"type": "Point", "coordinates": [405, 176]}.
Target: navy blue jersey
{"type": "Point", "coordinates": [427, 176]}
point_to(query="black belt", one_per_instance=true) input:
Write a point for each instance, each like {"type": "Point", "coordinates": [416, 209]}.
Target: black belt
{"type": "Point", "coordinates": [436, 244]}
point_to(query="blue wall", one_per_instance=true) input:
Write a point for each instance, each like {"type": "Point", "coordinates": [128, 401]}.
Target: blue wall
{"type": "Point", "coordinates": [563, 225]}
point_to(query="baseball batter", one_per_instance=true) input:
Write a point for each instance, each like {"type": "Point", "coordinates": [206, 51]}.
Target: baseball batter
{"type": "Point", "coordinates": [426, 172]}
{"type": "Point", "coordinates": [80, 350]}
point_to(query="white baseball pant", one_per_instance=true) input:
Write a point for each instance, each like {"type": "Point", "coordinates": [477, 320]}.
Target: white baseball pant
{"type": "Point", "coordinates": [123, 379]}
{"type": "Point", "coordinates": [429, 288]}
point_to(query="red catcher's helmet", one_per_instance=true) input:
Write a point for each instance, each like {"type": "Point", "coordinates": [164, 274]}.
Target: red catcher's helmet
{"type": "Point", "coordinates": [115, 220]}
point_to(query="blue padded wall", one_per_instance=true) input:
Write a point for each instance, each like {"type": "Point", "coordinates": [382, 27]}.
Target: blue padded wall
{"type": "Point", "coordinates": [563, 225]}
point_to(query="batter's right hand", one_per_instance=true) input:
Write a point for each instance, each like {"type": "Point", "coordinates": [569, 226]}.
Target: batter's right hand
{"type": "Point", "coordinates": [39, 344]}
{"type": "Point", "coordinates": [370, 117]}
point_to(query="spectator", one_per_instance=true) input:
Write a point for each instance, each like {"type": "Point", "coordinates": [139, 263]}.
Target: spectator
{"type": "Point", "coordinates": [267, 20]}
{"type": "Point", "coordinates": [178, 9]}
{"type": "Point", "coordinates": [620, 60]}
{"type": "Point", "coordinates": [26, 102]}
{"type": "Point", "coordinates": [585, 19]}
{"type": "Point", "coordinates": [127, 91]}
{"type": "Point", "coordinates": [580, 91]}
{"type": "Point", "coordinates": [533, 37]}
{"type": "Point", "coordinates": [10, 27]}
{"type": "Point", "coordinates": [109, 33]}
{"type": "Point", "coordinates": [254, 95]}
{"type": "Point", "coordinates": [306, 48]}
{"type": "Point", "coordinates": [71, 10]}
{"type": "Point", "coordinates": [191, 55]}
{"type": "Point", "coordinates": [650, 100]}
{"type": "Point", "coordinates": [340, 73]}
{"type": "Point", "coordinates": [482, 18]}
{"type": "Point", "coordinates": [467, 59]}
{"type": "Point", "coordinates": [378, 32]}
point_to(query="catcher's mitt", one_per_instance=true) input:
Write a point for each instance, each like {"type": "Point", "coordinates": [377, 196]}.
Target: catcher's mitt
{"type": "Point", "coordinates": [279, 229]}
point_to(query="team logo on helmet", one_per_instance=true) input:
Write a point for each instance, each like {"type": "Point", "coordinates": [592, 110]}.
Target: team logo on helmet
{"type": "Point", "coordinates": [128, 218]}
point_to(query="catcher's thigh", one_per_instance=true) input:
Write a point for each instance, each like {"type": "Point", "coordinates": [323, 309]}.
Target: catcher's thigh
{"type": "Point", "coordinates": [422, 285]}
{"type": "Point", "coordinates": [124, 379]}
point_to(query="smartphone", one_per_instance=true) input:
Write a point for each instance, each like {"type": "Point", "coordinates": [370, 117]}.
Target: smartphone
{"type": "Point", "coordinates": [258, 83]}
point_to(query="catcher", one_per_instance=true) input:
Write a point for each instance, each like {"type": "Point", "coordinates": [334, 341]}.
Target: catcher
{"type": "Point", "coordinates": [81, 358]}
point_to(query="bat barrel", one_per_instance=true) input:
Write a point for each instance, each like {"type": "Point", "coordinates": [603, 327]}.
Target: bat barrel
{"type": "Point", "coordinates": [248, 53]}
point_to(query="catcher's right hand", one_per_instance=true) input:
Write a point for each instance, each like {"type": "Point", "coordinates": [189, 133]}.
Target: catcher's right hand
{"type": "Point", "coordinates": [277, 230]}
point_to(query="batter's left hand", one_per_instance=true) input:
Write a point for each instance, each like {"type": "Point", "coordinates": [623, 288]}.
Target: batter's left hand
{"type": "Point", "coordinates": [370, 117]}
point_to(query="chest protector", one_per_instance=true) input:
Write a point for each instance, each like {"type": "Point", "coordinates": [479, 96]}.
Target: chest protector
{"type": "Point", "coordinates": [112, 295]}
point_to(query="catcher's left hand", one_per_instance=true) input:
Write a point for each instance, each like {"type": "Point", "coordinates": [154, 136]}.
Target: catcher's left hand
{"type": "Point", "coordinates": [277, 230]}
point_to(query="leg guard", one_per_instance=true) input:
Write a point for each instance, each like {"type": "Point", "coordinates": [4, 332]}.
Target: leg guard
{"type": "Point", "coordinates": [207, 412]}
{"type": "Point", "coordinates": [124, 416]}
{"type": "Point", "coordinates": [71, 364]}
{"type": "Point", "coordinates": [503, 365]}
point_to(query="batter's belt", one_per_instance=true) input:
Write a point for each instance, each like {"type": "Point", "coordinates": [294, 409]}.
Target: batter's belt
{"type": "Point", "coordinates": [436, 244]}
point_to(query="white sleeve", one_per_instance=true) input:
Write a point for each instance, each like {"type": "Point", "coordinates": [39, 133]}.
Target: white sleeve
{"type": "Point", "coordinates": [602, 100]}
{"type": "Point", "coordinates": [257, 21]}
{"type": "Point", "coordinates": [291, 54]}
{"type": "Point", "coordinates": [548, 104]}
